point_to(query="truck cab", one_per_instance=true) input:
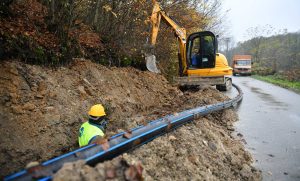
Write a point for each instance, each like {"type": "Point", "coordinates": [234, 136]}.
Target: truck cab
{"type": "Point", "coordinates": [241, 64]}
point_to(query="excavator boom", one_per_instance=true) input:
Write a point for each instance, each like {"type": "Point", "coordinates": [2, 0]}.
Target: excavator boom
{"type": "Point", "coordinates": [157, 15]}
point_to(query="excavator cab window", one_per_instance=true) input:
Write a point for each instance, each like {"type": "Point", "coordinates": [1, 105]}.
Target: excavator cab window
{"type": "Point", "coordinates": [201, 50]}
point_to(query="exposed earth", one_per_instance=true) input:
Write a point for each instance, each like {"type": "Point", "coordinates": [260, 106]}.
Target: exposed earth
{"type": "Point", "coordinates": [41, 110]}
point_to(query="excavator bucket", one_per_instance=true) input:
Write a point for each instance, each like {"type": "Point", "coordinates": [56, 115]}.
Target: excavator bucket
{"type": "Point", "coordinates": [151, 63]}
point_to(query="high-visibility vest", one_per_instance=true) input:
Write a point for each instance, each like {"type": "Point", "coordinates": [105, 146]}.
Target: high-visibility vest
{"type": "Point", "coordinates": [87, 132]}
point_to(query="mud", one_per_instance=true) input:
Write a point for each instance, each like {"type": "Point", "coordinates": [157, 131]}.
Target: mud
{"type": "Point", "coordinates": [41, 110]}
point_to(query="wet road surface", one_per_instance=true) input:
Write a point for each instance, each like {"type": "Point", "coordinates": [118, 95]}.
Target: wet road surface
{"type": "Point", "coordinates": [270, 124]}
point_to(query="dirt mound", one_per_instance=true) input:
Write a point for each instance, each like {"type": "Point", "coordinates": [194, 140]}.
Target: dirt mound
{"type": "Point", "coordinates": [117, 169]}
{"type": "Point", "coordinates": [201, 150]}
{"type": "Point", "coordinates": [41, 110]}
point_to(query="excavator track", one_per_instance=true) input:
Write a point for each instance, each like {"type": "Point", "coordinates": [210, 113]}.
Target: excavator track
{"type": "Point", "coordinates": [122, 142]}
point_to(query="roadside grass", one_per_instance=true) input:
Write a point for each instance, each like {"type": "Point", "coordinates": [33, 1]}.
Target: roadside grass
{"type": "Point", "coordinates": [280, 81]}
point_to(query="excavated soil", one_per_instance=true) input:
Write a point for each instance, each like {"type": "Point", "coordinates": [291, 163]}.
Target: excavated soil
{"type": "Point", "coordinates": [41, 110]}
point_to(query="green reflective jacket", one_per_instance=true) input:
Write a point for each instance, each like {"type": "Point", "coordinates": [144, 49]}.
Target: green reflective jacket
{"type": "Point", "coordinates": [87, 132]}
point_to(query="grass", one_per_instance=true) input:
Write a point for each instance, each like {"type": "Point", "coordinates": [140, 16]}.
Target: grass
{"type": "Point", "coordinates": [280, 81]}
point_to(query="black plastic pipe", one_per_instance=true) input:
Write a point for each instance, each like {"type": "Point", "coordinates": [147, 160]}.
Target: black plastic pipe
{"type": "Point", "coordinates": [122, 142]}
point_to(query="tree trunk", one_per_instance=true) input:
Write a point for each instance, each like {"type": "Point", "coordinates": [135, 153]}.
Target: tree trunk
{"type": "Point", "coordinates": [96, 16]}
{"type": "Point", "coordinates": [52, 11]}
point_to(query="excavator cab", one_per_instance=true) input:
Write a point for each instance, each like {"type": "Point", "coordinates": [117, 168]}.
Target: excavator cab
{"type": "Point", "coordinates": [201, 50]}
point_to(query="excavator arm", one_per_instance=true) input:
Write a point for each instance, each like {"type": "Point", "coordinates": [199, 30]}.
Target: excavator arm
{"type": "Point", "coordinates": [157, 15]}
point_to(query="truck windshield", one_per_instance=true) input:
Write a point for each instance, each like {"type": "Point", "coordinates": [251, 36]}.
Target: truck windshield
{"type": "Point", "coordinates": [243, 62]}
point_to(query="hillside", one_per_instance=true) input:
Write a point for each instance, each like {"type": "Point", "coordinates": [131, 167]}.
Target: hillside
{"type": "Point", "coordinates": [42, 109]}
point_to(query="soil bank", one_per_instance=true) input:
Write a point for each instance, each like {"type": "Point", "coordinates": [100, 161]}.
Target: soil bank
{"type": "Point", "coordinates": [41, 110]}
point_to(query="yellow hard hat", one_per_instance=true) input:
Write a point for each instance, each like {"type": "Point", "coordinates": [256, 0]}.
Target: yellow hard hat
{"type": "Point", "coordinates": [97, 110]}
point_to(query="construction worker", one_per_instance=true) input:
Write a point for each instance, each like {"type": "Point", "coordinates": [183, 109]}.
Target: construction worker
{"type": "Point", "coordinates": [195, 60]}
{"type": "Point", "coordinates": [196, 57]}
{"type": "Point", "coordinates": [95, 127]}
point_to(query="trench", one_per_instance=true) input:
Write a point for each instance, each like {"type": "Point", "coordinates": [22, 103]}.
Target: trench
{"type": "Point", "coordinates": [124, 141]}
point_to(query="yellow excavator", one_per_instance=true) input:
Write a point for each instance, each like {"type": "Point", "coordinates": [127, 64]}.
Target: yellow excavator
{"type": "Point", "coordinates": [199, 62]}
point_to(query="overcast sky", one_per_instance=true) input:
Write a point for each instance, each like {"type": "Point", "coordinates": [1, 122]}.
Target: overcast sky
{"type": "Point", "coordinates": [244, 14]}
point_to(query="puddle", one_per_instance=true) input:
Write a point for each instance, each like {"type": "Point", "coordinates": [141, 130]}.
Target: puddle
{"type": "Point", "coordinates": [269, 99]}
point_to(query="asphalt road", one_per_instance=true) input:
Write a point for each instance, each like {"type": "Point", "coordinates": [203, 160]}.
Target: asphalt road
{"type": "Point", "coordinates": [269, 121]}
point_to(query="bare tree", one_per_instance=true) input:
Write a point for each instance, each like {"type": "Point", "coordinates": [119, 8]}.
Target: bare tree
{"type": "Point", "coordinates": [257, 35]}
